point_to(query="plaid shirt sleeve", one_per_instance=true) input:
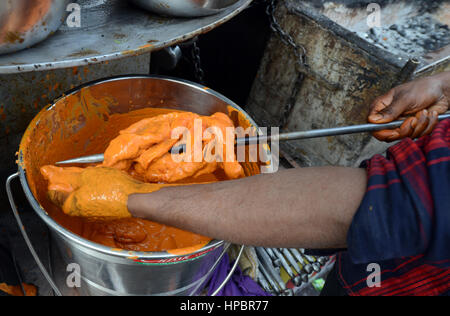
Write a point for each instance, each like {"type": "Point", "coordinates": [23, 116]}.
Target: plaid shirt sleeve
{"type": "Point", "coordinates": [406, 209]}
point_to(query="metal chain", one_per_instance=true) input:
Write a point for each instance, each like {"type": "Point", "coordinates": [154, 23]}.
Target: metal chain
{"type": "Point", "coordinates": [300, 54]}
{"type": "Point", "coordinates": [199, 73]}
{"type": "Point", "coordinates": [286, 38]}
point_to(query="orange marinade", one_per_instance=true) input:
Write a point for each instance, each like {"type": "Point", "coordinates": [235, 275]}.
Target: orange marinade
{"type": "Point", "coordinates": [139, 159]}
{"type": "Point", "coordinates": [16, 290]}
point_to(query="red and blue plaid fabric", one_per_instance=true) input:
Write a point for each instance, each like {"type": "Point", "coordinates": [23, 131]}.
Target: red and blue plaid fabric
{"type": "Point", "coordinates": [403, 223]}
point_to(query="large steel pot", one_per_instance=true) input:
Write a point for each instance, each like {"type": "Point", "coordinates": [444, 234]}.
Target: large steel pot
{"type": "Point", "coordinates": [106, 271]}
{"type": "Point", "coordinates": [24, 23]}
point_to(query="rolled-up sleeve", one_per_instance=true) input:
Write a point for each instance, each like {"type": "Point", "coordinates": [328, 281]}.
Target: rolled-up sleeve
{"type": "Point", "coordinates": [406, 209]}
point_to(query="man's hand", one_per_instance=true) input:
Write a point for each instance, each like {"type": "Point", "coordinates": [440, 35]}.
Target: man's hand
{"type": "Point", "coordinates": [420, 102]}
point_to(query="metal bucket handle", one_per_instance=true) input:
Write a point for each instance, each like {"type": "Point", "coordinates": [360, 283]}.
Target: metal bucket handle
{"type": "Point", "coordinates": [25, 236]}
{"type": "Point", "coordinates": [44, 270]}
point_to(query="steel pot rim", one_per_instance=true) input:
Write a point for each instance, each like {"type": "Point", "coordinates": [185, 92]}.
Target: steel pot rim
{"type": "Point", "coordinates": [125, 254]}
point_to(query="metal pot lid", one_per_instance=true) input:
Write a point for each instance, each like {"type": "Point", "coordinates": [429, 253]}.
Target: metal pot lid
{"type": "Point", "coordinates": [111, 30]}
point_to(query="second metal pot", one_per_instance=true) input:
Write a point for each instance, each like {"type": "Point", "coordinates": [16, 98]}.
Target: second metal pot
{"type": "Point", "coordinates": [185, 8]}
{"type": "Point", "coordinates": [24, 23]}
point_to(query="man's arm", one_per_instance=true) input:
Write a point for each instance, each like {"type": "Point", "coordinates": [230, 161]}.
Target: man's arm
{"type": "Point", "coordinates": [404, 209]}
{"type": "Point", "coordinates": [311, 207]}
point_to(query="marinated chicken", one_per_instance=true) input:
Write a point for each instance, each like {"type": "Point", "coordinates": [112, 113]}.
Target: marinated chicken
{"type": "Point", "coordinates": [143, 149]}
{"type": "Point", "coordinates": [84, 192]}
{"type": "Point", "coordinates": [139, 161]}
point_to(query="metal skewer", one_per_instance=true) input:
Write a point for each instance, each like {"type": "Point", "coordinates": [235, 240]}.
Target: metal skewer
{"type": "Point", "coordinates": [291, 260]}
{"type": "Point", "coordinates": [337, 131]}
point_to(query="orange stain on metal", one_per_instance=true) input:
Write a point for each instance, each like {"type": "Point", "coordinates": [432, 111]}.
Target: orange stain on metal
{"type": "Point", "coordinates": [128, 52]}
{"type": "Point", "coordinates": [187, 250]}
{"type": "Point", "coordinates": [146, 46]}
{"type": "Point", "coordinates": [16, 290]}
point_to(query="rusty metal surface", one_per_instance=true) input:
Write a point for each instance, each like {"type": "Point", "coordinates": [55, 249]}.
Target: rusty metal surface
{"type": "Point", "coordinates": [23, 95]}
{"type": "Point", "coordinates": [111, 30]}
{"type": "Point", "coordinates": [438, 61]}
{"type": "Point", "coordinates": [345, 74]}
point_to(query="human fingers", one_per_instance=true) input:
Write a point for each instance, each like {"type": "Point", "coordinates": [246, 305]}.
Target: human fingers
{"type": "Point", "coordinates": [420, 125]}
{"type": "Point", "coordinates": [403, 131]}
{"type": "Point", "coordinates": [433, 122]}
